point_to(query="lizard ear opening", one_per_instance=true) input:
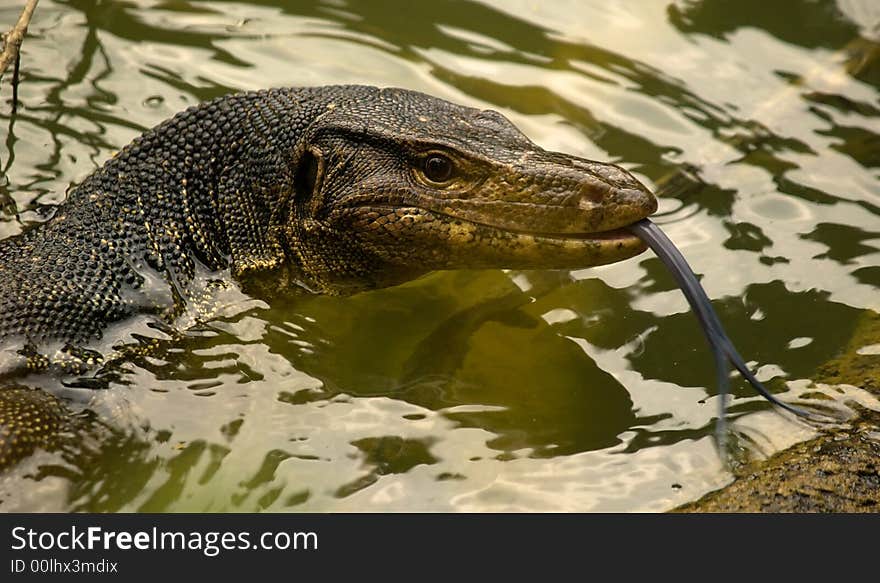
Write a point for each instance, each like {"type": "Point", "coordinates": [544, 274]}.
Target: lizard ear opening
{"type": "Point", "coordinates": [306, 177]}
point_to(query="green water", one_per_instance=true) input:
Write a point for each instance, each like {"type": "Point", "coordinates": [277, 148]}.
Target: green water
{"type": "Point", "coordinates": [493, 390]}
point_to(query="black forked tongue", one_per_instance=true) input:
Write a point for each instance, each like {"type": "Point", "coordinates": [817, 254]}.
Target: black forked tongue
{"type": "Point", "coordinates": [722, 348]}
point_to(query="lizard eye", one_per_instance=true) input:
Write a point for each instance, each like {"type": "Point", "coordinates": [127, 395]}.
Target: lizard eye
{"type": "Point", "coordinates": [437, 168]}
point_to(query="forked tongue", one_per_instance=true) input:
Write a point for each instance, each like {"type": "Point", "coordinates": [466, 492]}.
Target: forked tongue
{"type": "Point", "coordinates": [723, 350]}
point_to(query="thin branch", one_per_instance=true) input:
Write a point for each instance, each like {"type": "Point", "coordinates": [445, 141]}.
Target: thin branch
{"type": "Point", "coordinates": [16, 35]}
{"type": "Point", "coordinates": [15, 69]}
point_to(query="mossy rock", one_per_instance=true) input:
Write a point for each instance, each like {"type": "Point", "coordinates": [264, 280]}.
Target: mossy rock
{"type": "Point", "coordinates": [835, 472]}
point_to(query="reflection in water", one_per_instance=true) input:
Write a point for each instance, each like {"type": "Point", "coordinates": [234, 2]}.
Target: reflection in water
{"type": "Point", "coordinates": [476, 390]}
{"type": "Point", "coordinates": [429, 350]}
{"type": "Point", "coordinates": [845, 242]}
{"type": "Point", "coordinates": [820, 24]}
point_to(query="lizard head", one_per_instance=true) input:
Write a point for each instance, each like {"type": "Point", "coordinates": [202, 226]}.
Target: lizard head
{"type": "Point", "coordinates": [397, 183]}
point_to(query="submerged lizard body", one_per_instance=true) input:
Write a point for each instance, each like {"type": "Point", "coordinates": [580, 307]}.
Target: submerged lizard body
{"type": "Point", "coordinates": [335, 189]}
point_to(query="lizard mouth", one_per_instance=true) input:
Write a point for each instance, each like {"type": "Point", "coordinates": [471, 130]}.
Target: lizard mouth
{"type": "Point", "coordinates": [600, 247]}
{"type": "Point", "coordinates": [615, 235]}
{"type": "Point", "coordinates": [445, 241]}
{"type": "Point", "coordinates": [611, 235]}
{"type": "Point", "coordinates": [620, 232]}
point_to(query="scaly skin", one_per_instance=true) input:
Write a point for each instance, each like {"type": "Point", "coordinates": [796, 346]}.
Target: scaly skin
{"type": "Point", "coordinates": [334, 189]}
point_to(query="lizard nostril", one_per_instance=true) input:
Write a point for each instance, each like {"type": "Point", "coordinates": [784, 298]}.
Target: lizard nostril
{"type": "Point", "coordinates": [636, 198]}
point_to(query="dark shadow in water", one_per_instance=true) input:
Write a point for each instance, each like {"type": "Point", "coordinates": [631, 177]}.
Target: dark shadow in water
{"type": "Point", "coordinates": [385, 455]}
{"type": "Point", "coordinates": [842, 104]}
{"type": "Point", "coordinates": [860, 144]}
{"type": "Point", "coordinates": [120, 20]}
{"type": "Point", "coordinates": [844, 242]}
{"type": "Point", "coordinates": [543, 392]}
{"type": "Point", "coordinates": [816, 196]}
{"type": "Point", "coordinates": [868, 275]}
{"type": "Point", "coordinates": [746, 236]}
{"type": "Point", "coordinates": [810, 24]}
{"type": "Point", "coordinates": [675, 352]}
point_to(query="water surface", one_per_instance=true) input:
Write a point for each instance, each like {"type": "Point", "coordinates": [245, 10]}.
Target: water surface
{"type": "Point", "coordinates": [480, 390]}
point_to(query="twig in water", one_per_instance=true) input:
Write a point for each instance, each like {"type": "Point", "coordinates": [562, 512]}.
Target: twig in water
{"type": "Point", "coordinates": [16, 35]}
